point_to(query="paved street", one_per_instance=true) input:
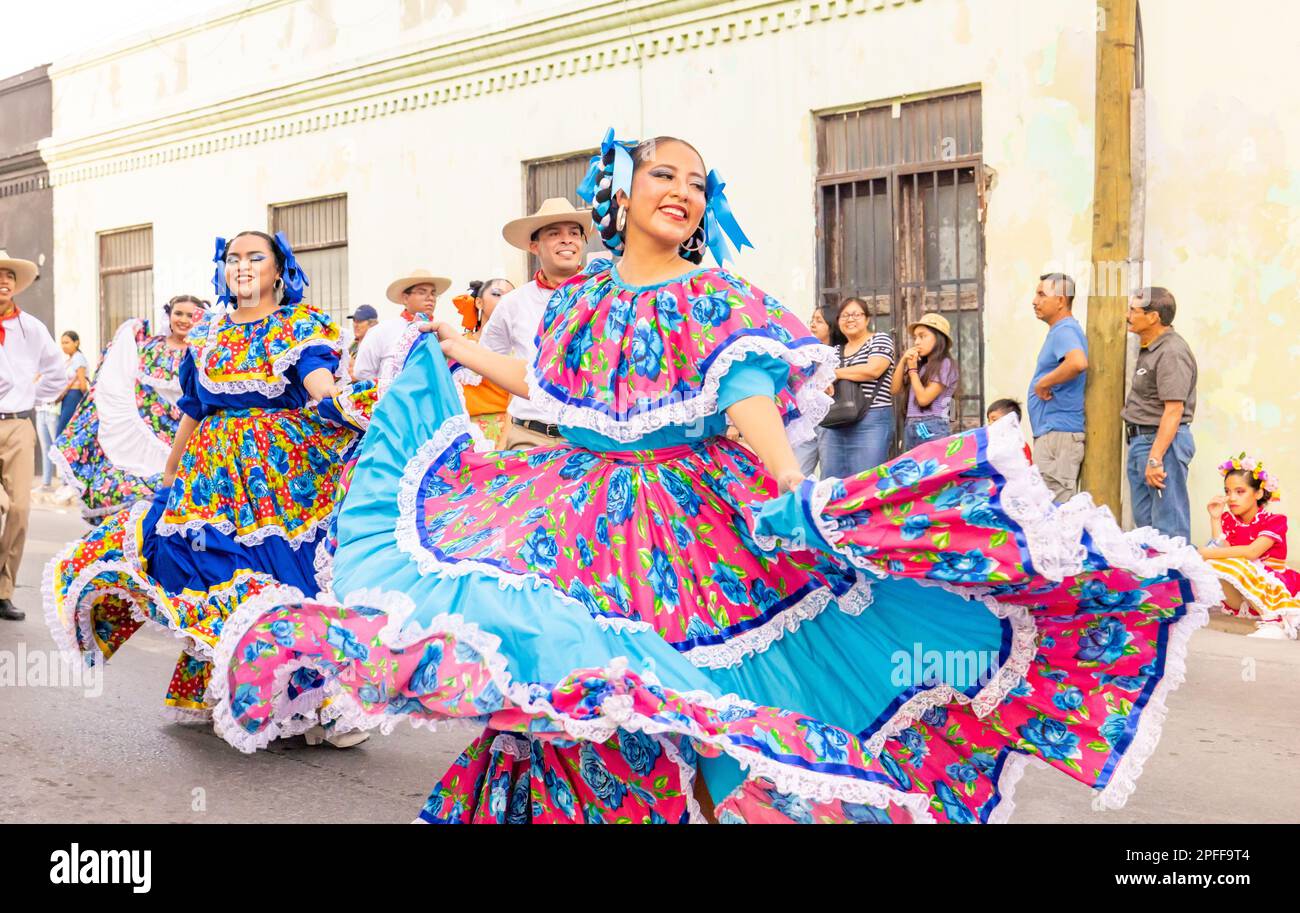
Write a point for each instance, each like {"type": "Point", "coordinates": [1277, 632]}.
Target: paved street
{"type": "Point", "coordinates": [1230, 753]}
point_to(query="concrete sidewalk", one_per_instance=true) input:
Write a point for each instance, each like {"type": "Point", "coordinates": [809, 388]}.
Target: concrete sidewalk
{"type": "Point", "coordinates": [1230, 752]}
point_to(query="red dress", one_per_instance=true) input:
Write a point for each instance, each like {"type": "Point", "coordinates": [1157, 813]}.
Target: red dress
{"type": "Point", "coordinates": [1270, 590]}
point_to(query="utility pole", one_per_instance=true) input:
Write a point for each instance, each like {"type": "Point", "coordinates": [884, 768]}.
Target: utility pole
{"type": "Point", "coordinates": [1103, 465]}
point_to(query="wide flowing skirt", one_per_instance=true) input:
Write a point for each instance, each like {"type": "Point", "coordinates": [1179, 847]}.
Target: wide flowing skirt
{"type": "Point", "coordinates": [1270, 591]}
{"type": "Point", "coordinates": [246, 518]}
{"type": "Point", "coordinates": [890, 647]}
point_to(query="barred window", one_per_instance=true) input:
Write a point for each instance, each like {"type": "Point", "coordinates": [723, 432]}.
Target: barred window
{"type": "Point", "coordinates": [125, 277]}
{"type": "Point", "coordinates": [318, 232]}
{"type": "Point", "coordinates": [900, 199]}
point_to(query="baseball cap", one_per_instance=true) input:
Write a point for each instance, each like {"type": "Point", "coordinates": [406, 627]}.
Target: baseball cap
{"type": "Point", "coordinates": [365, 312]}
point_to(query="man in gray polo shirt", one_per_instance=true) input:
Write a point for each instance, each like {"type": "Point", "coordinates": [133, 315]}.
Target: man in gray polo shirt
{"type": "Point", "coordinates": [1158, 416]}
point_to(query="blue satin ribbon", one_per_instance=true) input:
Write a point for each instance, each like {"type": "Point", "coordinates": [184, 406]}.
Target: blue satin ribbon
{"type": "Point", "coordinates": [720, 222]}
{"type": "Point", "coordinates": [295, 280]}
{"type": "Point", "coordinates": [219, 277]}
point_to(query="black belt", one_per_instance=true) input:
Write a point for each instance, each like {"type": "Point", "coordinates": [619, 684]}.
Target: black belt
{"type": "Point", "coordinates": [1131, 431]}
{"type": "Point", "coordinates": [10, 416]}
{"type": "Point", "coordinates": [538, 427]}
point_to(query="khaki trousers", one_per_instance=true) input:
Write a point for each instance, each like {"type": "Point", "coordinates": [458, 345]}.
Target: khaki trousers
{"type": "Point", "coordinates": [17, 470]}
{"type": "Point", "coordinates": [520, 438]}
{"type": "Point", "coordinates": [1059, 456]}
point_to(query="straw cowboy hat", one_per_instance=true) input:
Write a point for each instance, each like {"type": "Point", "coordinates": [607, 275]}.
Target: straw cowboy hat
{"type": "Point", "coordinates": [25, 270]}
{"type": "Point", "coordinates": [934, 322]}
{"type": "Point", "coordinates": [417, 277]}
{"type": "Point", "coordinates": [554, 211]}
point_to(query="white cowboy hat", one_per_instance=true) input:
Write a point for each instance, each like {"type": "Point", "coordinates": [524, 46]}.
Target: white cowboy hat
{"type": "Point", "coordinates": [555, 211]}
{"type": "Point", "coordinates": [25, 270]}
{"type": "Point", "coordinates": [417, 277]}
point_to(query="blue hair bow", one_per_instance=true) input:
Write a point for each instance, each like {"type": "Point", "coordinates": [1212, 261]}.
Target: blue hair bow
{"type": "Point", "coordinates": [294, 279]}
{"type": "Point", "coordinates": [720, 222]}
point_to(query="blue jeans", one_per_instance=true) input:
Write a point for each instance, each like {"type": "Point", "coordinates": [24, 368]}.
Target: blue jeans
{"type": "Point", "coordinates": [934, 426]}
{"type": "Point", "coordinates": [71, 400]}
{"type": "Point", "coordinates": [46, 423]}
{"type": "Point", "coordinates": [856, 448]}
{"type": "Point", "coordinates": [807, 454]}
{"type": "Point", "coordinates": [1170, 512]}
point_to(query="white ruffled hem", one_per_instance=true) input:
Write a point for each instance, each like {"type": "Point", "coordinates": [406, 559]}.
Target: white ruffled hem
{"type": "Point", "coordinates": [299, 538]}
{"type": "Point", "coordinates": [615, 711]}
{"type": "Point", "coordinates": [811, 398]}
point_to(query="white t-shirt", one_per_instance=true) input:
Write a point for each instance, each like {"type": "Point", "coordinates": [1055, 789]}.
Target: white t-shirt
{"type": "Point", "coordinates": [512, 330]}
{"type": "Point", "coordinates": [376, 350]}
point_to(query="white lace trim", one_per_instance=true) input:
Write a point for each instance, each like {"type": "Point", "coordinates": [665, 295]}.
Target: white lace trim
{"type": "Point", "coordinates": [391, 365]}
{"type": "Point", "coordinates": [186, 716]}
{"type": "Point", "coordinates": [323, 565]}
{"type": "Point", "coordinates": [281, 363]}
{"type": "Point", "coordinates": [616, 711]}
{"type": "Point", "coordinates": [303, 536]}
{"type": "Point", "coordinates": [351, 412]}
{"type": "Point", "coordinates": [811, 398]}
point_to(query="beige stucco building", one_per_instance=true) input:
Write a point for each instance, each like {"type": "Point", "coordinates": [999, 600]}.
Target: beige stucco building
{"type": "Point", "coordinates": [922, 153]}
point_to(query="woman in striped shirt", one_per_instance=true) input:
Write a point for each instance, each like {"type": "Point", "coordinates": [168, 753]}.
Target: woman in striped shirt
{"type": "Point", "coordinates": [869, 359]}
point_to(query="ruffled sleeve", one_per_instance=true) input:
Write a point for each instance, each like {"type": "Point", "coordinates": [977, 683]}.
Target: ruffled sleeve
{"type": "Point", "coordinates": [625, 361]}
{"type": "Point", "coordinates": [189, 402]}
{"type": "Point", "coordinates": [303, 333]}
{"type": "Point", "coordinates": [313, 358]}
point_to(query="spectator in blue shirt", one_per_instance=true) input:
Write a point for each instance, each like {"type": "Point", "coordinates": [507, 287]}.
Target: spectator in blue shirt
{"type": "Point", "coordinates": [1055, 399]}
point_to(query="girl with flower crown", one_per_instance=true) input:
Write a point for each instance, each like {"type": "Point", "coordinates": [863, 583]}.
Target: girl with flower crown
{"type": "Point", "coordinates": [1248, 550]}
{"type": "Point", "coordinates": [248, 487]}
{"type": "Point", "coordinates": [650, 631]}
{"type": "Point", "coordinates": [113, 451]}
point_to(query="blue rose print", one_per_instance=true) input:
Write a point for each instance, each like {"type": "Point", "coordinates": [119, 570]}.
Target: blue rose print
{"type": "Point", "coordinates": [865, 814]}
{"type": "Point", "coordinates": [962, 773]}
{"type": "Point", "coordinates": [735, 713]}
{"type": "Point", "coordinates": [609, 790]}
{"type": "Point", "coordinates": [796, 808]}
{"type": "Point", "coordinates": [257, 484]}
{"type": "Point", "coordinates": [712, 310]}
{"type": "Point", "coordinates": [962, 567]}
{"type": "Point", "coordinates": [730, 584]}
{"type": "Point", "coordinates": [983, 761]}
{"type": "Point", "coordinates": [663, 579]}
{"type": "Point", "coordinates": [501, 481]}
{"type": "Point", "coordinates": [956, 810]}
{"type": "Point", "coordinates": [621, 312]}
{"type": "Point", "coordinates": [1113, 729]}
{"type": "Point", "coordinates": [668, 311]}
{"type": "Point", "coordinates": [621, 499]}
{"type": "Point", "coordinates": [200, 490]}
{"type": "Point", "coordinates": [986, 516]}
{"type": "Point", "coordinates": [520, 806]}
{"type": "Point", "coordinates": [764, 596]}
{"type": "Point", "coordinates": [245, 699]}
{"type": "Point", "coordinates": [914, 742]}
{"type": "Point", "coordinates": [580, 498]}
{"type": "Point", "coordinates": [896, 771]}
{"type": "Point", "coordinates": [698, 628]}
{"type": "Point", "coordinates": [534, 515]}
{"type": "Point", "coordinates": [827, 742]}
{"type": "Point", "coordinates": [1069, 699]}
{"type": "Point", "coordinates": [1095, 596]}
{"type": "Point", "coordinates": [318, 461]}
{"type": "Point", "coordinates": [647, 350]}
{"type": "Point", "coordinates": [906, 472]}
{"type": "Point", "coordinates": [935, 716]}
{"type": "Point", "coordinates": [303, 491]}
{"type": "Point", "coordinates": [577, 464]}
{"type": "Point", "coordinates": [602, 530]}
{"type": "Point", "coordinates": [586, 557]}
{"type": "Point", "coordinates": [682, 492]}
{"type": "Point", "coordinates": [279, 460]}
{"type": "Point", "coordinates": [257, 649]}
{"type": "Point", "coordinates": [1103, 642]}
{"type": "Point", "coordinates": [578, 345]}
{"type": "Point", "coordinates": [282, 631]}
{"type": "Point", "coordinates": [681, 532]}
{"type": "Point", "coordinates": [371, 695]}
{"type": "Point", "coordinates": [425, 679]}
{"type": "Point", "coordinates": [617, 591]}
{"type": "Point", "coordinates": [248, 447]}
{"type": "Point", "coordinates": [1054, 741]}
{"type": "Point", "coordinates": [916, 526]}
{"type": "Point", "coordinates": [244, 515]}
{"type": "Point", "coordinates": [558, 790]}
{"type": "Point", "coordinates": [489, 700]}
{"type": "Point", "coordinates": [639, 750]}
{"type": "Point", "coordinates": [581, 592]}
{"type": "Point", "coordinates": [540, 550]}
{"type": "Point", "coordinates": [346, 642]}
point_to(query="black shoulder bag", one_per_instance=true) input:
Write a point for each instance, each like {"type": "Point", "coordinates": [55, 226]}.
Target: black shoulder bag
{"type": "Point", "coordinates": [851, 404]}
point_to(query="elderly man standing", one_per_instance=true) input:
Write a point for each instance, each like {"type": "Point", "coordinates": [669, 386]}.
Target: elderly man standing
{"type": "Point", "coordinates": [1055, 398]}
{"type": "Point", "coordinates": [26, 351]}
{"type": "Point", "coordinates": [417, 293]}
{"type": "Point", "coordinates": [557, 235]}
{"type": "Point", "coordinates": [1158, 416]}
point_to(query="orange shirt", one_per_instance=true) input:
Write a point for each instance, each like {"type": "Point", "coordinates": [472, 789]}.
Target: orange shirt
{"type": "Point", "coordinates": [485, 399]}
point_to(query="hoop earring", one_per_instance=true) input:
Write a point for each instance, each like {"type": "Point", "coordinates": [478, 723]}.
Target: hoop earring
{"type": "Point", "coordinates": [620, 222]}
{"type": "Point", "coordinates": [700, 242]}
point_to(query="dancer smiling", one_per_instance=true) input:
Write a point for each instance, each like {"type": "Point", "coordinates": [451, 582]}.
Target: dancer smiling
{"type": "Point", "coordinates": [652, 634]}
{"type": "Point", "coordinates": [248, 486]}
{"type": "Point", "coordinates": [115, 449]}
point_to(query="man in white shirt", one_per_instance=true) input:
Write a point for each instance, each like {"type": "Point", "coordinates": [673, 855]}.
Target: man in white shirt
{"type": "Point", "coordinates": [557, 235]}
{"type": "Point", "coordinates": [26, 350]}
{"type": "Point", "coordinates": [418, 294]}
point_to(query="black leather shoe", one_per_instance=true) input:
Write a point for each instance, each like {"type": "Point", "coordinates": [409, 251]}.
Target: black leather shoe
{"type": "Point", "coordinates": [9, 613]}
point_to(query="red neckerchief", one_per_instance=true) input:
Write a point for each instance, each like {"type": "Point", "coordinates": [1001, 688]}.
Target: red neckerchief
{"type": "Point", "coordinates": [409, 317]}
{"type": "Point", "coordinates": [542, 282]}
{"type": "Point", "coordinates": [13, 315]}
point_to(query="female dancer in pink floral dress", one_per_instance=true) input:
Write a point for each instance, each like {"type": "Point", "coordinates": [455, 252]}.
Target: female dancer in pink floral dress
{"type": "Point", "coordinates": [650, 630]}
{"type": "Point", "coordinates": [115, 448]}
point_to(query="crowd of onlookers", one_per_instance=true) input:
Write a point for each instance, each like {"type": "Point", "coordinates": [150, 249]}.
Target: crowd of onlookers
{"type": "Point", "coordinates": [874, 380]}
